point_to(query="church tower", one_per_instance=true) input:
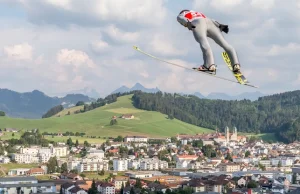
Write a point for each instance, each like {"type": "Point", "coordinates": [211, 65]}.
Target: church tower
{"type": "Point", "coordinates": [227, 134]}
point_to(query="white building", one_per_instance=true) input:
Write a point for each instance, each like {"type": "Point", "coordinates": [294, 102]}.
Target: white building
{"type": "Point", "coordinates": [96, 153]}
{"type": "Point", "coordinates": [4, 159]}
{"type": "Point", "coordinates": [120, 164]}
{"type": "Point", "coordinates": [182, 161]}
{"type": "Point", "coordinates": [25, 158]}
{"type": "Point", "coordinates": [136, 139]}
{"type": "Point", "coordinates": [18, 171]}
{"type": "Point", "coordinates": [92, 166]}
{"type": "Point", "coordinates": [60, 151]}
{"type": "Point", "coordinates": [25, 185]}
{"type": "Point", "coordinates": [106, 188]}
{"type": "Point", "coordinates": [33, 150]}
{"type": "Point", "coordinates": [134, 164]}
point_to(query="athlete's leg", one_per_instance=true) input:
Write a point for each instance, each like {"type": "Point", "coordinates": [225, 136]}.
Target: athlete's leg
{"type": "Point", "coordinates": [200, 34]}
{"type": "Point", "coordinates": [215, 33]}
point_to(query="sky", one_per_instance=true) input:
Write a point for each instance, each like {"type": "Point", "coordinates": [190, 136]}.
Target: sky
{"type": "Point", "coordinates": [57, 46]}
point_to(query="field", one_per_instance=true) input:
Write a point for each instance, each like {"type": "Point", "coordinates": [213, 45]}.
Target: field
{"type": "Point", "coordinates": [97, 122]}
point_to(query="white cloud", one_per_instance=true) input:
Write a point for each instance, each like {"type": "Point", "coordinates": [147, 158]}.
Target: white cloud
{"type": "Point", "coordinates": [75, 58]}
{"type": "Point", "coordinates": [264, 5]}
{"type": "Point", "coordinates": [19, 52]}
{"type": "Point", "coordinates": [100, 46]}
{"type": "Point", "coordinates": [289, 49]}
{"type": "Point", "coordinates": [120, 36]}
{"type": "Point", "coordinates": [163, 45]}
{"type": "Point", "coordinates": [65, 4]}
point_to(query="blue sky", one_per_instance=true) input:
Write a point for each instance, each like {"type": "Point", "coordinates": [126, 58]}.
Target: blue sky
{"type": "Point", "coordinates": [62, 45]}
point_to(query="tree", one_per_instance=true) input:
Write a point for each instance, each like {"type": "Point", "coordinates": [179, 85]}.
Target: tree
{"type": "Point", "coordinates": [79, 103]}
{"type": "Point", "coordinates": [262, 167]}
{"type": "Point", "coordinates": [113, 122]}
{"type": "Point", "coordinates": [197, 143]}
{"type": "Point", "coordinates": [64, 167]}
{"type": "Point", "coordinates": [70, 142]}
{"type": "Point", "coordinates": [52, 165]}
{"type": "Point", "coordinates": [247, 153]}
{"type": "Point", "coordinates": [118, 139]}
{"type": "Point", "coordinates": [252, 184]}
{"type": "Point", "coordinates": [102, 172]}
{"type": "Point", "coordinates": [77, 143]}
{"type": "Point", "coordinates": [86, 144]}
{"type": "Point", "coordinates": [2, 114]}
{"type": "Point", "coordinates": [13, 134]}
{"type": "Point", "coordinates": [279, 164]}
{"type": "Point", "coordinates": [122, 189]}
{"type": "Point", "coordinates": [93, 189]}
{"type": "Point", "coordinates": [132, 191]}
{"type": "Point", "coordinates": [53, 111]}
{"type": "Point", "coordinates": [138, 184]}
{"type": "Point", "coordinates": [228, 157]}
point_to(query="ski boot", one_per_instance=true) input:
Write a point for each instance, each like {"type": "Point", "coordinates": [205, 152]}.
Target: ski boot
{"type": "Point", "coordinates": [211, 69]}
{"type": "Point", "coordinates": [236, 68]}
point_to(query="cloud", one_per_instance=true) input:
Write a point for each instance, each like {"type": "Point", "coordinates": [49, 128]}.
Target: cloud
{"type": "Point", "coordinates": [100, 46]}
{"type": "Point", "coordinates": [94, 12]}
{"type": "Point", "coordinates": [121, 36]}
{"type": "Point", "coordinates": [19, 51]}
{"type": "Point", "coordinates": [264, 5]}
{"type": "Point", "coordinates": [289, 49]}
{"type": "Point", "coordinates": [75, 58]}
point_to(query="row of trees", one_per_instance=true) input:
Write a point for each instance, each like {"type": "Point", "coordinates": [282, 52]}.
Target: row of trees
{"type": "Point", "coordinates": [53, 111]}
{"type": "Point", "coordinates": [271, 114]}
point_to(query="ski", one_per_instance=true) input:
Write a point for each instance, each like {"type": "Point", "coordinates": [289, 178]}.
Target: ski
{"type": "Point", "coordinates": [191, 69]}
{"type": "Point", "coordinates": [239, 76]}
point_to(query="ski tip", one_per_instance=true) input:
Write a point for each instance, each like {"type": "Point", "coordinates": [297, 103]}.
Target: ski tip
{"type": "Point", "coordinates": [135, 47]}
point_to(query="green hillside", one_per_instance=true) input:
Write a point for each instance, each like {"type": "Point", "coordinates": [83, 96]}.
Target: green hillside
{"type": "Point", "coordinates": [97, 122]}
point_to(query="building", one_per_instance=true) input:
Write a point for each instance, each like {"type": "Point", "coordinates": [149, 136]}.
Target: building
{"type": "Point", "coordinates": [35, 171]}
{"type": "Point", "coordinates": [25, 158]}
{"type": "Point", "coordinates": [182, 161]}
{"type": "Point", "coordinates": [118, 181]}
{"type": "Point", "coordinates": [18, 171]}
{"type": "Point", "coordinates": [120, 164]}
{"type": "Point", "coordinates": [127, 116]}
{"type": "Point", "coordinates": [96, 153]}
{"type": "Point", "coordinates": [229, 167]}
{"type": "Point", "coordinates": [106, 188]}
{"type": "Point", "coordinates": [92, 166]}
{"type": "Point", "coordinates": [136, 139]}
{"type": "Point", "coordinates": [25, 185]}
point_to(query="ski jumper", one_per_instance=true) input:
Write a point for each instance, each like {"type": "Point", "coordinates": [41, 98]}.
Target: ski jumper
{"type": "Point", "coordinates": [204, 27]}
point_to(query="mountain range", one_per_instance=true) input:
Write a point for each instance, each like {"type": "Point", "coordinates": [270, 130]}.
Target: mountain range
{"type": "Point", "coordinates": [137, 86]}
{"type": "Point", "coordinates": [34, 104]}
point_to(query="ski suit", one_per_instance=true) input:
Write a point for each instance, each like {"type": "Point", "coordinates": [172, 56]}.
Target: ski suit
{"type": "Point", "coordinates": [202, 28]}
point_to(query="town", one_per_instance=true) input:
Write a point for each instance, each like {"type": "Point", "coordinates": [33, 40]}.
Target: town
{"type": "Point", "coordinates": [213, 163]}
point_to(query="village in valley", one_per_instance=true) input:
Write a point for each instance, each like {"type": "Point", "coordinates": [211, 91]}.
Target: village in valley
{"type": "Point", "coordinates": [211, 163]}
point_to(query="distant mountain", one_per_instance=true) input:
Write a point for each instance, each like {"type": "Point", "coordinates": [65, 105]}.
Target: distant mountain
{"type": "Point", "coordinates": [220, 96]}
{"type": "Point", "coordinates": [85, 91]}
{"type": "Point", "coordinates": [137, 86]}
{"type": "Point", "coordinates": [34, 104]}
{"type": "Point", "coordinates": [199, 95]}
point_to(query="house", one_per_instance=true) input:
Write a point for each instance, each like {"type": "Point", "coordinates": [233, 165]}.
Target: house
{"type": "Point", "coordinates": [157, 187]}
{"type": "Point", "coordinates": [136, 139]}
{"type": "Point", "coordinates": [126, 190]}
{"type": "Point", "coordinates": [77, 190]}
{"type": "Point", "coordinates": [35, 171]}
{"type": "Point", "coordinates": [182, 161]}
{"type": "Point", "coordinates": [71, 176]}
{"type": "Point", "coordinates": [118, 181]}
{"type": "Point", "coordinates": [229, 167]}
{"type": "Point", "coordinates": [105, 188]}
{"type": "Point", "coordinates": [127, 116]}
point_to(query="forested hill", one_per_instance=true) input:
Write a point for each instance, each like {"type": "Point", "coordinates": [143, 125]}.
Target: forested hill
{"type": "Point", "coordinates": [276, 113]}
